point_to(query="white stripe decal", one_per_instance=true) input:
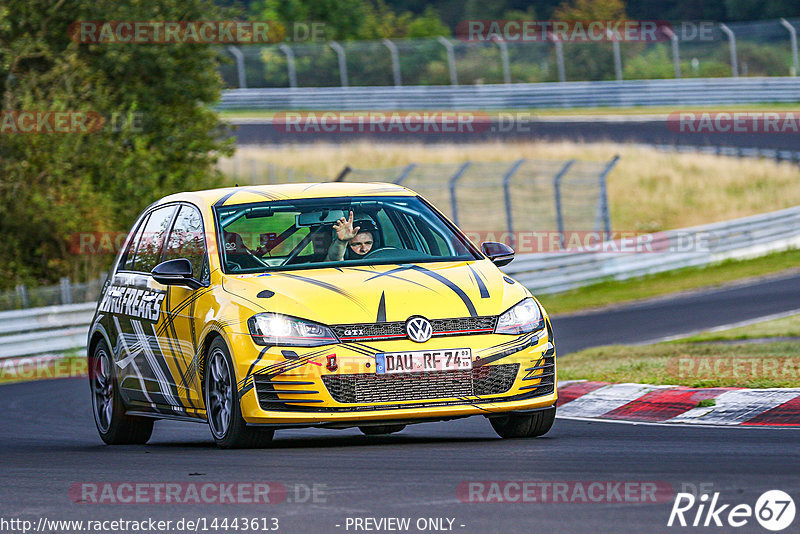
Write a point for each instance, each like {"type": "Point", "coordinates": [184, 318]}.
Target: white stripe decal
{"type": "Point", "coordinates": [129, 359]}
{"type": "Point", "coordinates": [151, 359]}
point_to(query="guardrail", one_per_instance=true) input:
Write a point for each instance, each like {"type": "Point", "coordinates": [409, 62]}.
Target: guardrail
{"type": "Point", "coordinates": [32, 332]}
{"type": "Point", "coordinates": [683, 92]}
{"type": "Point", "coordinates": [48, 330]}
{"type": "Point", "coordinates": [736, 239]}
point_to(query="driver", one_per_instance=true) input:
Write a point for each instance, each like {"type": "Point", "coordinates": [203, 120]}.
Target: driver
{"type": "Point", "coordinates": [353, 243]}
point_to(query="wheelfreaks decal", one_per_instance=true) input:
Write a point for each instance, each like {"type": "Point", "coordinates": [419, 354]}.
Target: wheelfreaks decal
{"type": "Point", "coordinates": [144, 304]}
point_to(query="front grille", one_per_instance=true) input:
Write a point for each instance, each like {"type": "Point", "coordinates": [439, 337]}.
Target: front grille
{"type": "Point", "coordinates": [371, 387]}
{"type": "Point", "coordinates": [458, 326]}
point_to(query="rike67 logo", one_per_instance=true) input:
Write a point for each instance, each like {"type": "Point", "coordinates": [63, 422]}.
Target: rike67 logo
{"type": "Point", "coordinates": [774, 510]}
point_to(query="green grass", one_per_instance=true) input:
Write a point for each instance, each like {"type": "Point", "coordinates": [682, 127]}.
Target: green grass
{"type": "Point", "coordinates": [754, 365]}
{"type": "Point", "coordinates": [617, 292]}
{"type": "Point", "coordinates": [643, 110]}
{"type": "Point", "coordinates": [784, 327]}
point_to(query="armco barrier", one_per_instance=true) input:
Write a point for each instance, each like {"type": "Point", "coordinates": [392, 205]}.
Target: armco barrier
{"type": "Point", "coordinates": [683, 92]}
{"type": "Point", "coordinates": [59, 328]}
{"type": "Point", "coordinates": [736, 239]}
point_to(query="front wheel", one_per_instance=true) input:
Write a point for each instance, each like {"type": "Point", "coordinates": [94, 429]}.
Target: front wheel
{"type": "Point", "coordinates": [531, 425]}
{"type": "Point", "coordinates": [222, 403]}
{"type": "Point", "coordinates": [114, 426]}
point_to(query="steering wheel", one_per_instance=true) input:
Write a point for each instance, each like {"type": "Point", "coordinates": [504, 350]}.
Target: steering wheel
{"type": "Point", "coordinates": [233, 266]}
{"type": "Point", "coordinates": [374, 252]}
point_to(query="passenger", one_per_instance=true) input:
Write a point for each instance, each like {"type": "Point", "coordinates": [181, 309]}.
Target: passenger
{"type": "Point", "coordinates": [350, 243]}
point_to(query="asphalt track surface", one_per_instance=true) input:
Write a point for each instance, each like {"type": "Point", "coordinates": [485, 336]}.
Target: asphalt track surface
{"type": "Point", "coordinates": [526, 127]}
{"type": "Point", "coordinates": [48, 443]}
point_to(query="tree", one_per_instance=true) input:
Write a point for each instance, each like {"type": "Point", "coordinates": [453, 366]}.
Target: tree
{"type": "Point", "coordinates": [56, 185]}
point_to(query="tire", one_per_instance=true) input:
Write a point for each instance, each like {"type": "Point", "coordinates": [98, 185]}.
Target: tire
{"type": "Point", "coordinates": [222, 405]}
{"type": "Point", "coordinates": [114, 427]}
{"type": "Point", "coordinates": [524, 425]}
{"type": "Point", "coordinates": [380, 429]}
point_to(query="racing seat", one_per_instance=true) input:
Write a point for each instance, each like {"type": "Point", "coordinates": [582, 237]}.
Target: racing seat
{"type": "Point", "coordinates": [237, 255]}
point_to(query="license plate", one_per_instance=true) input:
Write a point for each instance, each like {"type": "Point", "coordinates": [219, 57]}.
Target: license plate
{"type": "Point", "coordinates": [420, 361]}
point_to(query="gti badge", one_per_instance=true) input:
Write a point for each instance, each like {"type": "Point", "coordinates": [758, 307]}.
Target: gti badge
{"type": "Point", "coordinates": [419, 329]}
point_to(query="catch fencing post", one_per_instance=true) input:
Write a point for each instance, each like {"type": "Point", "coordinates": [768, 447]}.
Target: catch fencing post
{"type": "Point", "coordinates": [507, 194]}
{"type": "Point", "coordinates": [237, 54]}
{"type": "Point", "coordinates": [453, 201]}
{"type": "Point", "coordinates": [562, 72]}
{"type": "Point", "coordinates": [732, 42]}
{"type": "Point", "coordinates": [557, 189]}
{"type": "Point", "coordinates": [343, 174]}
{"type": "Point", "coordinates": [603, 205]}
{"type": "Point", "coordinates": [793, 38]}
{"type": "Point", "coordinates": [22, 291]}
{"type": "Point", "coordinates": [342, 62]}
{"type": "Point", "coordinates": [404, 174]}
{"type": "Point", "coordinates": [395, 61]}
{"type": "Point", "coordinates": [290, 64]}
{"type": "Point", "coordinates": [676, 56]}
{"type": "Point", "coordinates": [504, 59]}
{"type": "Point", "coordinates": [66, 291]}
{"type": "Point", "coordinates": [617, 55]}
{"type": "Point", "coordinates": [451, 59]}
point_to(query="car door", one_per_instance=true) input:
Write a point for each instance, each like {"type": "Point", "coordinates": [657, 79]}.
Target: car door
{"type": "Point", "coordinates": [137, 305]}
{"type": "Point", "coordinates": [183, 321]}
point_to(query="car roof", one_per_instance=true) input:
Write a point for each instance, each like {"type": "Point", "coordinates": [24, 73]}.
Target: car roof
{"type": "Point", "coordinates": [230, 196]}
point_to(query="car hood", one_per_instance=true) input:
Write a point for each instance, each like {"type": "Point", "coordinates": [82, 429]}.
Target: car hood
{"type": "Point", "coordinates": [381, 293]}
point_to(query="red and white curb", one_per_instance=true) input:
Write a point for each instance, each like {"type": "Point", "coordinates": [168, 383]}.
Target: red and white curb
{"type": "Point", "coordinates": [679, 404]}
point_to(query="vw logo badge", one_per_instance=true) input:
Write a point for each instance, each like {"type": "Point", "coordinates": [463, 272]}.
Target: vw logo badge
{"type": "Point", "coordinates": [419, 329]}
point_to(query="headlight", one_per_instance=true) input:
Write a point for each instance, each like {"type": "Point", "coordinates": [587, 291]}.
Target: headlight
{"type": "Point", "coordinates": [524, 317]}
{"type": "Point", "coordinates": [276, 329]}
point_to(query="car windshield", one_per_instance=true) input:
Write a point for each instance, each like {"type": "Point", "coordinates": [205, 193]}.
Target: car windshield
{"type": "Point", "coordinates": [332, 232]}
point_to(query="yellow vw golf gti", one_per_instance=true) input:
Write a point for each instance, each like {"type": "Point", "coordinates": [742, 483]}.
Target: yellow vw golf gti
{"type": "Point", "coordinates": [330, 305]}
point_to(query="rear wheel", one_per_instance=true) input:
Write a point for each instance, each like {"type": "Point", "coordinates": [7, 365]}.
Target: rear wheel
{"type": "Point", "coordinates": [380, 429]}
{"type": "Point", "coordinates": [114, 426]}
{"type": "Point", "coordinates": [222, 404]}
{"type": "Point", "coordinates": [524, 425]}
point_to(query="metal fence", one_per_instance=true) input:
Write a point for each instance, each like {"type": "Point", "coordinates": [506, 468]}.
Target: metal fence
{"type": "Point", "coordinates": [65, 292]}
{"type": "Point", "coordinates": [629, 93]}
{"type": "Point", "coordinates": [747, 237]}
{"type": "Point", "coordinates": [491, 197]}
{"type": "Point", "coordinates": [695, 49]}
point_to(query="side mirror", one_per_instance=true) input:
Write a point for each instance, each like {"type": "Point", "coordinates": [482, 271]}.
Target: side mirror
{"type": "Point", "coordinates": [177, 272]}
{"type": "Point", "coordinates": [500, 253]}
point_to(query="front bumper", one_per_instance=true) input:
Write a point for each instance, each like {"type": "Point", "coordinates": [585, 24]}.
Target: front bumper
{"type": "Point", "coordinates": [291, 387]}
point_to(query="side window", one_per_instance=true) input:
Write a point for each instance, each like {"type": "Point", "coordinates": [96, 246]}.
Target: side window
{"type": "Point", "coordinates": [186, 240]}
{"type": "Point", "coordinates": [126, 262]}
{"type": "Point", "coordinates": [148, 255]}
